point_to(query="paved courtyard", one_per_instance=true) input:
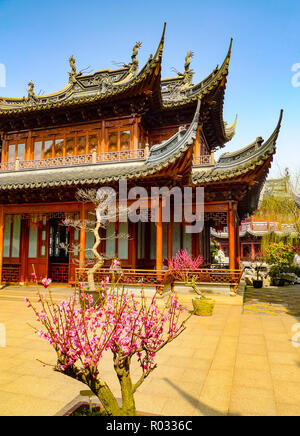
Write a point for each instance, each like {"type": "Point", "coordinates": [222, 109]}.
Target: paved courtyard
{"type": "Point", "coordinates": [273, 300]}
{"type": "Point", "coordinates": [233, 363]}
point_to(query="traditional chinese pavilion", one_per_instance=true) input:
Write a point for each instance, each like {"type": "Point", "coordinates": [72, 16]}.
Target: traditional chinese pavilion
{"type": "Point", "coordinates": [110, 125]}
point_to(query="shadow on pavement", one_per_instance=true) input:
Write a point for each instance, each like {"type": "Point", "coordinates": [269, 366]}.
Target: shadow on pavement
{"type": "Point", "coordinates": [200, 406]}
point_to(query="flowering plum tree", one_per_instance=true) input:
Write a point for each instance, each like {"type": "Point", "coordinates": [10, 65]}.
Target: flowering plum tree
{"type": "Point", "coordinates": [98, 219]}
{"type": "Point", "coordinates": [81, 332]}
{"type": "Point", "coordinates": [182, 267]}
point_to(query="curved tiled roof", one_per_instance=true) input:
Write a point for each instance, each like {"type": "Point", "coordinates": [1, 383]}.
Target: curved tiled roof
{"type": "Point", "coordinates": [255, 233]}
{"type": "Point", "coordinates": [109, 84]}
{"type": "Point", "coordinates": [239, 163]}
{"type": "Point", "coordinates": [188, 94]}
{"type": "Point", "coordinates": [100, 86]}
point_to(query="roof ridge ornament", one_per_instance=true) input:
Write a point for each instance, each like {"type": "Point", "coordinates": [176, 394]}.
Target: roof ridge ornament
{"type": "Point", "coordinates": [30, 91]}
{"type": "Point", "coordinates": [134, 64]}
{"type": "Point", "coordinates": [188, 72]}
{"type": "Point", "coordinates": [187, 76]}
{"type": "Point", "coordinates": [73, 73]}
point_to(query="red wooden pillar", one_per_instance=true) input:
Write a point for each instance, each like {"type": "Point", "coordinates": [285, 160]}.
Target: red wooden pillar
{"type": "Point", "coordinates": [251, 222]}
{"type": "Point", "coordinates": [82, 238]}
{"type": "Point", "coordinates": [252, 252]}
{"type": "Point", "coordinates": [238, 245]}
{"type": "Point", "coordinates": [268, 221]}
{"type": "Point", "coordinates": [232, 236]}
{"type": "Point", "coordinates": [1, 240]}
{"type": "Point", "coordinates": [136, 133]}
{"type": "Point", "coordinates": [159, 238]}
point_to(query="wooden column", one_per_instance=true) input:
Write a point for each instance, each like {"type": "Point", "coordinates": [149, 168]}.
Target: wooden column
{"type": "Point", "coordinates": [170, 240]}
{"type": "Point", "coordinates": [82, 238]}
{"type": "Point", "coordinates": [268, 221]}
{"type": "Point", "coordinates": [28, 148]}
{"type": "Point", "coordinates": [136, 133]}
{"type": "Point", "coordinates": [132, 246]}
{"type": "Point", "coordinates": [238, 244]}
{"type": "Point", "coordinates": [159, 238]}
{"type": "Point", "coordinates": [102, 145]}
{"type": "Point", "coordinates": [252, 252]}
{"type": "Point", "coordinates": [232, 237]}
{"type": "Point", "coordinates": [4, 146]}
{"type": "Point", "coordinates": [1, 240]}
{"type": "Point", "coordinates": [251, 222]}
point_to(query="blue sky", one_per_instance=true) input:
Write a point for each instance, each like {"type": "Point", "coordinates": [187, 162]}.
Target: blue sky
{"type": "Point", "coordinates": [37, 38]}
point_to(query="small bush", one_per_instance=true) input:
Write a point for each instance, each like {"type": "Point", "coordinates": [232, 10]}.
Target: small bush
{"type": "Point", "coordinates": [280, 254]}
{"type": "Point", "coordinates": [293, 269]}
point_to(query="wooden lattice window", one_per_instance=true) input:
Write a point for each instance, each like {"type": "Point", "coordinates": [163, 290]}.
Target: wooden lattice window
{"type": "Point", "coordinates": [12, 236]}
{"type": "Point", "coordinates": [16, 151]}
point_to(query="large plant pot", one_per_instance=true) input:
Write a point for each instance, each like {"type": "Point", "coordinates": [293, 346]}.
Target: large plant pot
{"type": "Point", "coordinates": [203, 306]}
{"type": "Point", "coordinates": [278, 282]}
{"type": "Point", "coordinates": [257, 284]}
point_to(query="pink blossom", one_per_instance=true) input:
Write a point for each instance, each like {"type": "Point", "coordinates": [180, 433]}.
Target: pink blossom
{"type": "Point", "coordinates": [122, 324]}
{"type": "Point", "coordinates": [46, 282]}
{"type": "Point", "coordinates": [183, 263]}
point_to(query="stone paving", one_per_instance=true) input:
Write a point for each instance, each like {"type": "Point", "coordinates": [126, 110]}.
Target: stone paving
{"type": "Point", "coordinates": [273, 300]}
{"type": "Point", "coordinates": [232, 363]}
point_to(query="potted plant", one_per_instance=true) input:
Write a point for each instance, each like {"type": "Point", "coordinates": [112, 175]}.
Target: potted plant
{"type": "Point", "coordinates": [183, 267]}
{"type": "Point", "coordinates": [280, 255]}
{"type": "Point", "coordinates": [202, 305]}
{"type": "Point", "coordinates": [258, 282]}
{"type": "Point", "coordinates": [276, 277]}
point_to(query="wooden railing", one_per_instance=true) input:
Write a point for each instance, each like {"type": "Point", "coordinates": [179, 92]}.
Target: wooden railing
{"type": "Point", "coordinates": [132, 277]}
{"type": "Point", "coordinates": [92, 158]}
{"type": "Point", "coordinates": [159, 279]}
{"type": "Point", "coordinates": [213, 275]}
{"type": "Point", "coordinates": [66, 161]}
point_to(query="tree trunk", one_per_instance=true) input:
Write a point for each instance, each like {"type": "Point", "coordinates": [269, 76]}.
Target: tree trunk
{"type": "Point", "coordinates": [98, 387]}
{"type": "Point", "coordinates": [108, 401]}
{"type": "Point", "coordinates": [123, 373]}
{"type": "Point", "coordinates": [128, 403]}
{"type": "Point", "coordinates": [100, 260]}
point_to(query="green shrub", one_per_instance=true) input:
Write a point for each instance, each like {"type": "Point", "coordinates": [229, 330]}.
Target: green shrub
{"type": "Point", "coordinates": [293, 269]}
{"type": "Point", "coordinates": [280, 254]}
